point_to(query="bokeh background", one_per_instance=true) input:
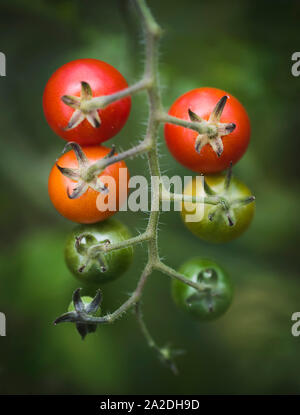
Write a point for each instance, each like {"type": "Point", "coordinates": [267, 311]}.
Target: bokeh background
{"type": "Point", "coordinates": [243, 47]}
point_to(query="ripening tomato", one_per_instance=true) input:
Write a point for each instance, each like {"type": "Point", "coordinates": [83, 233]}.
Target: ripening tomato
{"type": "Point", "coordinates": [216, 152]}
{"type": "Point", "coordinates": [211, 222]}
{"type": "Point", "coordinates": [99, 79]}
{"type": "Point", "coordinates": [91, 206]}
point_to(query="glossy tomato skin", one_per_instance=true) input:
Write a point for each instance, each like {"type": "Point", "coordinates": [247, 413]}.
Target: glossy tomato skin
{"type": "Point", "coordinates": [218, 230]}
{"type": "Point", "coordinates": [84, 209]}
{"type": "Point", "coordinates": [203, 306]}
{"type": "Point", "coordinates": [117, 261]}
{"type": "Point", "coordinates": [103, 79]}
{"type": "Point", "coordinates": [181, 141]}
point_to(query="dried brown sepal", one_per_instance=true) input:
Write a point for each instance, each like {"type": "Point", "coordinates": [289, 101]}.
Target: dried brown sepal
{"type": "Point", "coordinates": [86, 91]}
{"type": "Point", "coordinates": [70, 173]}
{"type": "Point", "coordinates": [81, 157]}
{"type": "Point", "coordinates": [218, 110]}
{"type": "Point", "coordinates": [71, 101]}
{"type": "Point", "coordinates": [94, 119]}
{"type": "Point", "coordinates": [76, 119]}
{"type": "Point", "coordinates": [200, 142]}
{"type": "Point", "coordinates": [217, 145]}
{"type": "Point", "coordinates": [78, 191]}
{"type": "Point", "coordinates": [194, 117]}
{"type": "Point", "coordinates": [99, 186]}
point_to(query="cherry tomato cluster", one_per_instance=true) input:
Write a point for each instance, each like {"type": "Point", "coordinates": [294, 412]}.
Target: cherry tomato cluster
{"type": "Point", "coordinates": [73, 195]}
{"type": "Point", "coordinates": [218, 138]}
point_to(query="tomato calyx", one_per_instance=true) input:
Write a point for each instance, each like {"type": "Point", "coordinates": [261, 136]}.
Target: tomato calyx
{"type": "Point", "coordinates": [82, 174]}
{"type": "Point", "coordinates": [80, 113]}
{"type": "Point", "coordinates": [207, 296]}
{"type": "Point", "coordinates": [92, 251]}
{"type": "Point", "coordinates": [82, 309]}
{"type": "Point", "coordinates": [225, 207]}
{"type": "Point", "coordinates": [215, 129]}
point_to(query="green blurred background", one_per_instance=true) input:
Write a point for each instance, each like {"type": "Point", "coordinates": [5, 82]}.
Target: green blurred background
{"type": "Point", "coordinates": [242, 47]}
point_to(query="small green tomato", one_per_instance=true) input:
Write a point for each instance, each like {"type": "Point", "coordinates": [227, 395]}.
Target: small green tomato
{"type": "Point", "coordinates": [207, 304]}
{"type": "Point", "coordinates": [88, 262]}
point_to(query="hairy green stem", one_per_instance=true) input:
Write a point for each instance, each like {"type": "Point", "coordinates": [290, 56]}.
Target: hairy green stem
{"type": "Point", "coordinates": [105, 100]}
{"type": "Point", "coordinates": [144, 329]}
{"type": "Point", "coordinates": [123, 244]}
{"type": "Point", "coordinates": [98, 166]}
{"type": "Point", "coordinates": [200, 127]}
{"type": "Point", "coordinates": [178, 197]}
{"type": "Point", "coordinates": [132, 300]}
{"type": "Point", "coordinates": [165, 269]}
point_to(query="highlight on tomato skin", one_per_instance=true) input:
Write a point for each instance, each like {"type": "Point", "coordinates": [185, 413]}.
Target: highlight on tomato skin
{"type": "Point", "coordinates": [91, 78]}
{"type": "Point", "coordinates": [181, 141]}
{"type": "Point", "coordinates": [85, 209]}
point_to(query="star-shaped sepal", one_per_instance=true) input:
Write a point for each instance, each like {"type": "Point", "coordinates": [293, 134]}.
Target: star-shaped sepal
{"type": "Point", "coordinates": [81, 174]}
{"type": "Point", "coordinates": [226, 205]}
{"type": "Point", "coordinates": [92, 252]}
{"type": "Point", "coordinates": [78, 104]}
{"type": "Point", "coordinates": [215, 129]}
{"type": "Point", "coordinates": [81, 308]}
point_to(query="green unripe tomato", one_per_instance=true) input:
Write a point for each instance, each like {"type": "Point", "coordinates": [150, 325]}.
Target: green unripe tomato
{"type": "Point", "coordinates": [86, 300]}
{"type": "Point", "coordinates": [87, 262]}
{"type": "Point", "coordinates": [210, 303]}
{"type": "Point", "coordinates": [213, 225]}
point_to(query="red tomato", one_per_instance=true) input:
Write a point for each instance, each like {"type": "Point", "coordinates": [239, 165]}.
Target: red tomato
{"type": "Point", "coordinates": [181, 141]}
{"type": "Point", "coordinates": [103, 79]}
{"type": "Point", "coordinates": [84, 209]}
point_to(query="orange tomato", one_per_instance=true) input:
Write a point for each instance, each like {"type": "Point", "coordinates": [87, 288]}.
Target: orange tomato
{"type": "Point", "coordinates": [88, 207]}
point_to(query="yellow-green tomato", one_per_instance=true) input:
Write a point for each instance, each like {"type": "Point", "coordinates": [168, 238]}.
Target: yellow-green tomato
{"type": "Point", "coordinates": [208, 221]}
